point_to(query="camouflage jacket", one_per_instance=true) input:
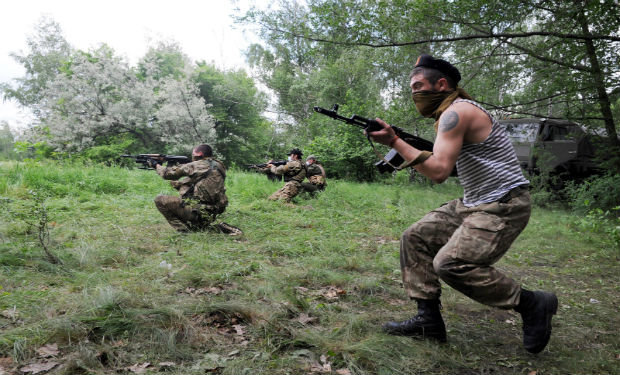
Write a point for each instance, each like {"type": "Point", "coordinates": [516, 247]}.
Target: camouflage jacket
{"type": "Point", "coordinates": [316, 174]}
{"type": "Point", "coordinates": [293, 170]}
{"type": "Point", "coordinates": [199, 182]}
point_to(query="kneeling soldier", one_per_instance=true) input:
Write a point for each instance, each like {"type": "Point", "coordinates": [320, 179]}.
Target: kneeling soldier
{"type": "Point", "coordinates": [201, 189]}
{"type": "Point", "coordinates": [315, 174]}
{"type": "Point", "coordinates": [294, 172]}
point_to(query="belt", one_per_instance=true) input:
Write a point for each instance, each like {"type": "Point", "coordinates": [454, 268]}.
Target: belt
{"type": "Point", "coordinates": [514, 193]}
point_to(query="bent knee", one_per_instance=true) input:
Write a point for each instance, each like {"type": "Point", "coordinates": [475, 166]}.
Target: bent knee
{"type": "Point", "coordinates": [165, 200]}
{"type": "Point", "coordinates": [443, 266]}
{"type": "Point", "coordinates": [410, 233]}
{"type": "Point", "coordinates": [160, 200]}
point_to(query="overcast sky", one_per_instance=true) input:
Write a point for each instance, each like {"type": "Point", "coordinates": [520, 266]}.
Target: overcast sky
{"type": "Point", "coordinates": [203, 28]}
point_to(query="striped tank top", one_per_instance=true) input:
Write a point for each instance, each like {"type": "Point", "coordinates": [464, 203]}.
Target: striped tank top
{"type": "Point", "coordinates": [489, 169]}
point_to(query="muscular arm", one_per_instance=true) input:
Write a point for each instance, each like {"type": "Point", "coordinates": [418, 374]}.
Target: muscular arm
{"type": "Point", "coordinates": [448, 143]}
{"type": "Point", "coordinates": [453, 125]}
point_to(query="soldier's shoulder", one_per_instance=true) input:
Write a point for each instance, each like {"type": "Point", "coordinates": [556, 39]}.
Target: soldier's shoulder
{"type": "Point", "coordinates": [219, 163]}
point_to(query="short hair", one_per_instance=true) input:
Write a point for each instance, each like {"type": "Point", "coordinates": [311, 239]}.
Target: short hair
{"type": "Point", "coordinates": [432, 75]}
{"type": "Point", "coordinates": [205, 150]}
{"type": "Point", "coordinates": [295, 151]}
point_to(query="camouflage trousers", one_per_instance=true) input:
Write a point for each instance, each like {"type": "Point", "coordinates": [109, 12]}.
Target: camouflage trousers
{"type": "Point", "coordinates": [459, 245]}
{"type": "Point", "coordinates": [312, 188]}
{"type": "Point", "coordinates": [181, 216]}
{"type": "Point", "coordinates": [287, 192]}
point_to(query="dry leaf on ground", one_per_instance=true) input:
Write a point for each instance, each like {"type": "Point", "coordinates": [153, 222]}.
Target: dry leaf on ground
{"type": "Point", "coordinates": [305, 318]}
{"type": "Point", "coordinates": [40, 367]}
{"type": "Point", "coordinates": [139, 368]}
{"type": "Point", "coordinates": [48, 350]}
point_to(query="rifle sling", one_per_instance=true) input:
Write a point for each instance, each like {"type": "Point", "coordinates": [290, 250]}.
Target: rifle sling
{"type": "Point", "coordinates": [382, 157]}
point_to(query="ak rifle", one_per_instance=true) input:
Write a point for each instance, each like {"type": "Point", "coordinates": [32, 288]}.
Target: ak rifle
{"type": "Point", "coordinates": [392, 158]}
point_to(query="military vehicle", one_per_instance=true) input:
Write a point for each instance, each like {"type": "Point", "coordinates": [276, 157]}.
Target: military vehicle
{"type": "Point", "coordinates": [558, 147]}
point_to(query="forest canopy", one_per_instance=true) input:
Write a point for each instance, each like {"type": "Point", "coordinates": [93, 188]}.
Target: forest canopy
{"type": "Point", "coordinates": [533, 58]}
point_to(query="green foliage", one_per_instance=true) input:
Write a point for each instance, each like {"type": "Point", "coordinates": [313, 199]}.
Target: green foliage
{"type": "Point", "coordinates": [7, 142]}
{"type": "Point", "coordinates": [34, 150]}
{"type": "Point", "coordinates": [74, 178]}
{"type": "Point", "coordinates": [164, 60]}
{"type": "Point", "coordinates": [236, 104]}
{"type": "Point", "coordinates": [602, 222]}
{"type": "Point", "coordinates": [109, 152]}
{"type": "Point", "coordinates": [597, 193]}
{"type": "Point", "coordinates": [48, 52]}
{"type": "Point", "coordinates": [31, 211]}
{"type": "Point", "coordinates": [348, 52]}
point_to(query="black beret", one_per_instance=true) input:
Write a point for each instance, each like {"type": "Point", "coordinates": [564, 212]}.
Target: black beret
{"type": "Point", "coordinates": [443, 66]}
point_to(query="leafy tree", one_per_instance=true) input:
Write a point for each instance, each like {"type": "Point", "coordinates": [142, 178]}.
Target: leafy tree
{"type": "Point", "coordinates": [85, 99]}
{"type": "Point", "coordinates": [537, 58]}
{"type": "Point", "coordinates": [94, 103]}
{"type": "Point", "coordinates": [98, 97]}
{"type": "Point", "coordinates": [48, 52]}
{"type": "Point", "coordinates": [303, 74]}
{"type": "Point", "coordinates": [236, 104]}
{"type": "Point", "coordinates": [164, 60]}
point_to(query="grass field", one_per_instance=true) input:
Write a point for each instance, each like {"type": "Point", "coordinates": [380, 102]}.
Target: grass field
{"type": "Point", "coordinates": [303, 291]}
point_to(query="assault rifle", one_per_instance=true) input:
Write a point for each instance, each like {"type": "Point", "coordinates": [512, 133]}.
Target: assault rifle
{"type": "Point", "coordinates": [149, 161]}
{"type": "Point", "coordinates": [270, 176]}
{"type": "Point", "coordinates": [393, 158]}
{"type": "Point", "coordinates": [260, 166]}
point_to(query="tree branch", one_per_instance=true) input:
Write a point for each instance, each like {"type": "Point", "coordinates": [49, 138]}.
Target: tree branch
{"type": "Point", "coordinates": [610, 38]}
{"type": "Point", "coordinates": [535, 55]}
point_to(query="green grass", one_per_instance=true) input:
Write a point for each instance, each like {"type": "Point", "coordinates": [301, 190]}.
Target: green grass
{"type": "Point", "coordinates": [306, 287]}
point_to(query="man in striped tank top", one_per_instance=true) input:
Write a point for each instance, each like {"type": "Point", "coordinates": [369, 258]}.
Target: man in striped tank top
{"type": "Point", "coordinates": [459, 242]}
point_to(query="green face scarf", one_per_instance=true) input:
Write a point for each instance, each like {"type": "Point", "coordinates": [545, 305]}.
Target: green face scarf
{"type": "Point", "coordinates": [427, 101]}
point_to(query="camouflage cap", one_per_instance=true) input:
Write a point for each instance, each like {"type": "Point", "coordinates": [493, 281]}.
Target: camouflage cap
{"type": "Point", "coordinates": [428, 61]}
{"type": "Point", "coordinates": [311, 157]}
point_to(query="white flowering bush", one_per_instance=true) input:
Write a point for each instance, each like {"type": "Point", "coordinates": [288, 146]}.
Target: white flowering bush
{"type": "Point", "coordinates": [99, 97]}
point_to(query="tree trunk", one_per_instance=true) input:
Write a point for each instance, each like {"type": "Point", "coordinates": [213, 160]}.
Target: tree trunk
{"type": "Point", "coordinates": [597, 78]}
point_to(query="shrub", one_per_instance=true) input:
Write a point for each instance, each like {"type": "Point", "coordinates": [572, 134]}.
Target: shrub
{"type": "Point", "coordinates": [603, 222]}
{"type": "Point", "coordinates": [601, 192]}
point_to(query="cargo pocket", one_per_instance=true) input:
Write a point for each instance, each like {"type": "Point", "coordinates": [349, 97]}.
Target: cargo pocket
{"type": "Point", "coordinates": [479, 238]}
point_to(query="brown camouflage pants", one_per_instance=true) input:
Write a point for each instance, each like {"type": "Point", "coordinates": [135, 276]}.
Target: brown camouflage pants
{"type": "Point", "coordinates": [287, 192]}
{"type": "Point", "coordinates": [459, 245]}
{"type": "Point", "coordinates": [181, 217]}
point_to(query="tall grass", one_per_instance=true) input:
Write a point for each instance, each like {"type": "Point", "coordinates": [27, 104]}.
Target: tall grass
{"type": "Point", "coordinates": [304, 290]}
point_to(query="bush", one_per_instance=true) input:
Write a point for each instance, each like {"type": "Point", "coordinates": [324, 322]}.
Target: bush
{"type": "Point", "coordinates": [603, 222]}
{"type": "Point", "coordinates": [543, 198]}
{"type": "Point", "coordinates": [601, 192]}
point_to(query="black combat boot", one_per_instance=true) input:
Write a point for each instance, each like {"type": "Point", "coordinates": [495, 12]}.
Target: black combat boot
{"type": "Point", "coordinates": [536, 309]}
{"type": "Point", "coordinates": [427, 324]}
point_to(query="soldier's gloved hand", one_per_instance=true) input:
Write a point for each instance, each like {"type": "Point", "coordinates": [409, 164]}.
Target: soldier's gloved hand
{"type": "Point", "coordinates": [153, 163]}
